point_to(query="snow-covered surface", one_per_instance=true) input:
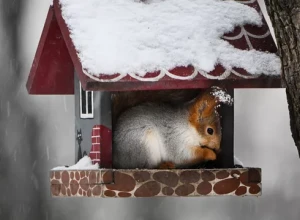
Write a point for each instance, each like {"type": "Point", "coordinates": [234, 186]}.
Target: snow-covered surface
{"type": "Point", "coordinates": [130, 36]}
{"type": "Point", "coordinates": [222, 96]}
{"type": "Point", "coordinates": [84, 163]}
{"type": "Point", "coordinates": [237, 161]}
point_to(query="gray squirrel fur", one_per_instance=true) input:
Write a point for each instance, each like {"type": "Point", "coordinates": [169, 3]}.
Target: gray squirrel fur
{"type": "Point", "coordinates": [151, 133]}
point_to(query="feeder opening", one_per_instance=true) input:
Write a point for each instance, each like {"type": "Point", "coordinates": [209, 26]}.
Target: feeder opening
{"type": "Point", "coordinates": [172, 129]}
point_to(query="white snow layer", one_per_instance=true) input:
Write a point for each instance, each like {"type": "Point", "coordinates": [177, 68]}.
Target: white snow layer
{"type": "Point", "coordinates": [85, 163]}
{"type": "Point", "coordinates": [130, 36]}
{"type": "Point", "coordinates": [222, 96]}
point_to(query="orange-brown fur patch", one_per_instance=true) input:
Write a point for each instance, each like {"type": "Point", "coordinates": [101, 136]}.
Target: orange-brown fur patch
{"type": "Point", "coordinates": [203, 115]}
{"type": "Point", "coordinates": [167, 165]}
{"type": "Point", "coordinates": [203, 108]}
{"type": "Point", "coordinates": [201, 155]}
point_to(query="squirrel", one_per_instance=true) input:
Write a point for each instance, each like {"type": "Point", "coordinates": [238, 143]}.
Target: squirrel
{"type": "Point", "coordinates": [165, 129]}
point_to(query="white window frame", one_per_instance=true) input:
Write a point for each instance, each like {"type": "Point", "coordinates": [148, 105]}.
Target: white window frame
{"type": "Point", "coordinates": [87, 114]}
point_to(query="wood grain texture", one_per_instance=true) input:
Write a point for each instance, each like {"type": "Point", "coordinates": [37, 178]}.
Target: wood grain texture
{"type": "Point", "coordinates": [285, 17]}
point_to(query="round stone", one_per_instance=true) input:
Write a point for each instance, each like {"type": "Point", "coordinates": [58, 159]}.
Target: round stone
{"type": "Point", "coordinates": [82, 174]}
{"type": "Point", "coordinates": [207, 176]}
{"type": "Point", "coordinates": [92, 177]}
{"type": "Point", "coordinates": [241, 191]}
{"type": "Point", "coordinates": [68, 192]}
{"type": "Point", "coordinates": [84, 183]}
{"type": "Point", "coordinates": [55, 187]}
{"type": "Point", "coordinates": [123, 182]}
{"type": "Point", "coordinates": [148, 189]}
{"type": "Point", "coordinates": [226, 186]}
{"type": "Point", "coordinates": [57, 174]}
{"type": "Point", "coordinates": [222, 174]}
{"type": "Point", "coordinates": [255, 175]}
{"type": "Point", "coordinates": [63, 190]}
{"type": "Point", "coordinates": [204, 188]}
{"type": "Point", "coordinates": [254, 189]}
{"type": "Point", "coordinates": [77, 176]}
{"type": "Point", "coordinates": [65, 178]}
{"type": "Point", "coordinates": [109, 193]}
{"type": "Point", "coordinates": [184, 190]}
{"type": "Point", "coordinates": [168, 178]}
{"type": "Point", "coordinates": [141, 176]}
{"type": "Point", "coordinates": [189, 176]}
{"type": "Point", "coordinates": [168, 191]}
{"type": "Point", "coordinates": [89, 193]}
{"type": "Point", "coordinates": [96, 191]}
{"type": "Point", "coordinates": [74, 186]}
{"type": "Point", "coordinates": [124, 194]}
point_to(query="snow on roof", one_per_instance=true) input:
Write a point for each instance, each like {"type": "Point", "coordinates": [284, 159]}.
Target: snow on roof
{"type": "Point", "coordinates": [131, 36]}
{"type": "Point", "coordinates": [85, 163]}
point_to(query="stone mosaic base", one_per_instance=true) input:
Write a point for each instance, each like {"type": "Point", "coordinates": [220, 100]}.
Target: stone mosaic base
{"type": "Point", "coordinates": [148, 183]}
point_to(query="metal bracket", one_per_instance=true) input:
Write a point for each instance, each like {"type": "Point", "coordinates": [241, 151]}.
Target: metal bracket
{"type": "Point", "coordinates": [79, 140]}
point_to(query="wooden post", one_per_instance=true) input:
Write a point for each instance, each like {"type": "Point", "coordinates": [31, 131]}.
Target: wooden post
{"type": "Point", "coordinates": [105, 130]}
{"type": "Point", "coordinates": [227, 143]}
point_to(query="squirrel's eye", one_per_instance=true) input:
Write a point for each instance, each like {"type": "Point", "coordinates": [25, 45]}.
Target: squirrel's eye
{"type": "Point", "coordinates": [210, 131]}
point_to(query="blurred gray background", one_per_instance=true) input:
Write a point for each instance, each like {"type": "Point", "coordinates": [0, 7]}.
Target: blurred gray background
{"type": "Point", "coordinates": [36, 134]}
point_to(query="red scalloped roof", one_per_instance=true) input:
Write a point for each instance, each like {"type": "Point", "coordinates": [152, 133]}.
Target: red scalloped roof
{"type": "Point", "coordinates": [56, 59]}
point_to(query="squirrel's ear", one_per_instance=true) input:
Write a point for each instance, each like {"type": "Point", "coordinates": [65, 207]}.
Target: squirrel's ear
{"type": "Point", "coordinates": [207, 104]}
{"type": "Point", "coordinates": [211, 99]}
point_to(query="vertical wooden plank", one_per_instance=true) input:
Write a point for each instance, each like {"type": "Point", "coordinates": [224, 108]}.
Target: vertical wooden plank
{"type": "Point", "coordinates": [225, 159]}
{"type": "Point", "coordinates": [105, 130]}
{"type": "Point", "coordinates": [105, 147]}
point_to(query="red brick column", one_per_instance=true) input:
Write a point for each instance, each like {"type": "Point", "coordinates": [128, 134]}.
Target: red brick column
{"type": "Point", "coordinates": [101, 150]}
{"type": "Point", "coordinates": [95, 150]}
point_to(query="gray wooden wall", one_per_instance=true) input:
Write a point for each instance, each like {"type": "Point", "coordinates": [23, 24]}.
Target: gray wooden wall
{"type": "Point", "coordinates": [102, 116]}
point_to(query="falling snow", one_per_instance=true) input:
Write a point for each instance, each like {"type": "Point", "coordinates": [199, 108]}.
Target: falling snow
{"type": "Point", "coordinates": [28, 133]}
{"type": "Point", "coordinates": [8, 108]}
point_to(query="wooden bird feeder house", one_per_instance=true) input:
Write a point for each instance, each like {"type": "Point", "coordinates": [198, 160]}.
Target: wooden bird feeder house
{"type": "Point", "coordinates": [61, 66]}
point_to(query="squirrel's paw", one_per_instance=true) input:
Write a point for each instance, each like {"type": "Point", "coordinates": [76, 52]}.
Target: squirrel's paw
{"type": "Point", "coordinates": [167, 165]}
{"type": "Point", "coordinates": [208, 154]}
